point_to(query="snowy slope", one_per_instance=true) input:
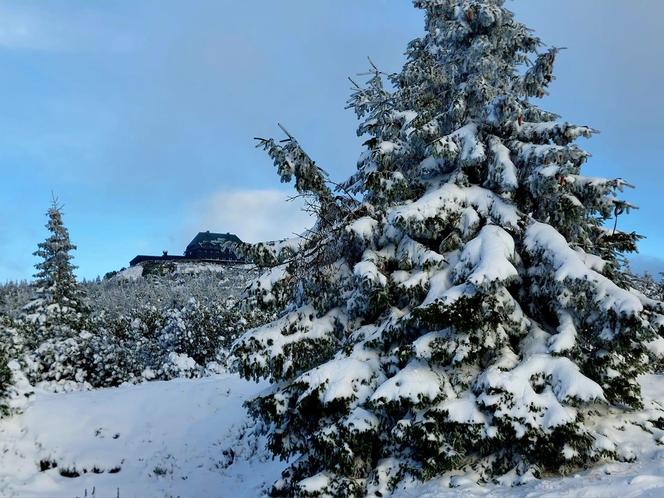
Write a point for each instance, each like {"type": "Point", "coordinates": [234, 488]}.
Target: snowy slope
{"type": "Point", "coordinates": [154, 439]}
{"type": "Point", "coordinates": [174, 439]}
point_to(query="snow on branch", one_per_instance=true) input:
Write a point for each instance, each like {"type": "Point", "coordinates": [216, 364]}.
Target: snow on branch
{"type": "Point", "coordinates": [442, 204]}
{"type": "Point", "coordinates": [569, 264]}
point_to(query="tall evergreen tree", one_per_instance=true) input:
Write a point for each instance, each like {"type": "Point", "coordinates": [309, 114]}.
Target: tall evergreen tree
{"type": "Point", "coordinates": [460, 300]}
{"type": "Point", "coordinates": [58, 307]}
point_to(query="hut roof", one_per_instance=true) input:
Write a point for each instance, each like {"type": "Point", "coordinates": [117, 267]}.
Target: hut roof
{"type": "Point", "coordinates": [205, 238]}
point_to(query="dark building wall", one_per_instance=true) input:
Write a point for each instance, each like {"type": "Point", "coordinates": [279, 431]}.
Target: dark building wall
{"type": "Point", "coordinates": [142, 258]}
{"type": "Point", "coordinates": [205, 246]}
{"type": "Point", "coordinates": [210, 253]}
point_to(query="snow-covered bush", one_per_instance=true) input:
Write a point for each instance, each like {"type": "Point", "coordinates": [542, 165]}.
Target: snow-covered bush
{"type": "Point", "coordinates": [5, 381]}
{"type": "Point", "coordinates": [208, 284]}
{"type": "Point", "coordinates": [58, 361]}
{"type": "Point", "coordinates": [459, 301]}
{"type": "Point", "coordinates": [111, 357]}
{"type": "Point", "coordinates": [11, 339]}
{"type": "Point", "coordinates": [179, 365]}
{"type": "Point", "coordinates": [147, 343]}
{"type": "Point", "coordinates": [11, 347]}
{"type": "Point", "coordinates": [196, 331]}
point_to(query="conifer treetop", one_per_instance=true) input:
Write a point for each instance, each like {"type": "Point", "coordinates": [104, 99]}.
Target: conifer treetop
{"type": "Point", "coordinates": [59, 301]}
{"type": "Point", "coordinates": [56, 271]}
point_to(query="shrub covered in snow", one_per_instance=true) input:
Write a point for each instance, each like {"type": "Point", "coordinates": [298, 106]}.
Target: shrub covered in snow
{"type": "Point", "coordinates": [149, 343]}
{"type": "Point", "coordinates": [5, 381]}
{"type": "Point", "coordinates": [145, 342]}
{"type": "Point", "coordinates": [11, 347]}
{"type": "Point", "coordinates": [179, 321]}
{"type": "Point", "coordinates": [196, 331]}
{"type": "Point", "coordinates": [56, 360]}
{"type": "Point", "coordinates": [206, 283]}
{"type": "Point", "coordinates": [470, 308]}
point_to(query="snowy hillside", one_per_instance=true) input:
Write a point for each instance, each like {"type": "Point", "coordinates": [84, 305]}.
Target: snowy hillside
{"type": "Point", "coordinates": [192, 438]}
{"type": "Point", "coordinates": [177, 438]}
{"type": "Point", "coordinates": [178, 268]}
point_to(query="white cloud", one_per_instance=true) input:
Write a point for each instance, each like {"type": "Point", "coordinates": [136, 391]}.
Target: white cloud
{"type": "Point", "coordinates": [253, 215]}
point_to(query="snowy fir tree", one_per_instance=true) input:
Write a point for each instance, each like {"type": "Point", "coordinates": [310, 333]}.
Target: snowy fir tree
{"type": "Point", "coordinates": [59, 304]}
{"type": "Point", "coordinates": [461, 300]}
{"type": "Point", "coordinates": [54, 323]}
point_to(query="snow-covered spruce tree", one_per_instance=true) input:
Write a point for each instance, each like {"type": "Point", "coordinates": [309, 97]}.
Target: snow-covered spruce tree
{"type": "Point", "coordinates": [55, 322]}
{"type": "Point", "coordinates": [471, 309]}
{"type": "Point", "coordinates": [58, 307]}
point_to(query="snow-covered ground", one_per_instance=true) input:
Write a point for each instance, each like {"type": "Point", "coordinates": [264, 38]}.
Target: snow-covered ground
{"type": "Point", "coordinates": [193, 438]}
{"type": "Point", "coordinates": [188, 438]}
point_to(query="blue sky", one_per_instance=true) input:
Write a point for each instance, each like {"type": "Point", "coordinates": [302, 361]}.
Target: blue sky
{"type": "Point", "coordinates": [140, 115]}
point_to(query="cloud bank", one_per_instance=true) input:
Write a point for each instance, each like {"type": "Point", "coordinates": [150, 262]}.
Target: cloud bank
{"type": "Point", "coordinates": [253, 215]}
